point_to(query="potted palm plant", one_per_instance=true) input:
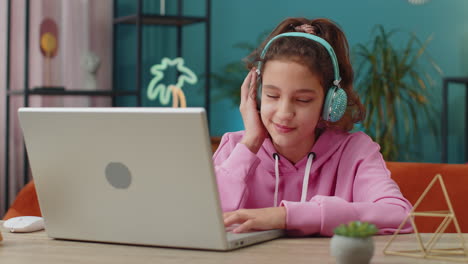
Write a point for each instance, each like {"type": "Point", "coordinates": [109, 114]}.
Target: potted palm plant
{"type": "Point", "coordinates": [352, 243]}
{"type": "Point", "coordinates": [395, 87]}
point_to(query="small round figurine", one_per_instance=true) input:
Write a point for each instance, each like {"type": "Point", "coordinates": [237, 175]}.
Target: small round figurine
{"type": "Point", "coordinates": [353, 243]}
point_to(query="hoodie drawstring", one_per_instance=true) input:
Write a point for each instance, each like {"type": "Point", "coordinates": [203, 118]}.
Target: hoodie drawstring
{"type": "Point", "coordinates": [275, 201]}
{"type": "Point", "coordinates": [305, 181]}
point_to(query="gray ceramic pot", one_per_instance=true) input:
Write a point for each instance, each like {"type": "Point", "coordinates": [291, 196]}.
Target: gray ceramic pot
{"type": "Point", "coordinates": [352, 250]}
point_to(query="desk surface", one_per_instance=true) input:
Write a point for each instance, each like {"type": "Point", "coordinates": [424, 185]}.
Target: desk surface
{"type": "Point", "coordinates": [38, 248]}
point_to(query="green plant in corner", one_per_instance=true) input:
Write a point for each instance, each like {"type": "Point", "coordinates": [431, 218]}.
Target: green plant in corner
{"type": "Point", "coordinates": [395, 88]}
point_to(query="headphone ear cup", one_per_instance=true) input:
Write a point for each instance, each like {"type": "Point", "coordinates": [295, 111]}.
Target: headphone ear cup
{"type": "Point", "coordinates": [335, 104]}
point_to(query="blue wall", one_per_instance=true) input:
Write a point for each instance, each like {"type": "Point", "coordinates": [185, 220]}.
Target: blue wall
{"type": "Point", "coordinates": [242, 20]}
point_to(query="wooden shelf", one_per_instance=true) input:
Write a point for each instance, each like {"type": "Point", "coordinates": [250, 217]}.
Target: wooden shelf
{"type": "Point", "coordinates": [77, 92]}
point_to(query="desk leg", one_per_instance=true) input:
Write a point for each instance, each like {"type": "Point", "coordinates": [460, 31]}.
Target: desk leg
{"type": "Point", "coordinates": [444, 122]}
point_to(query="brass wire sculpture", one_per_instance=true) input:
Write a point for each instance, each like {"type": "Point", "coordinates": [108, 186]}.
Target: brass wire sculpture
{"type": "Point", "coordinates": [427, 250]}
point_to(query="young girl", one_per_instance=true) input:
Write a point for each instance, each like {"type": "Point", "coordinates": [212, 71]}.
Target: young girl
{"type": "Point", "coordinates": [296, 166]}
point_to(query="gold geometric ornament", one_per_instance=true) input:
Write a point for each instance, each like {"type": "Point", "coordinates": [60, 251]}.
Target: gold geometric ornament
{"type": "Point", "coordinates": [427, 250]}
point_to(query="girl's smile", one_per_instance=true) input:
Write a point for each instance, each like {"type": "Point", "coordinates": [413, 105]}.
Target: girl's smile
{"type": "Point", "coordinates": [283, 129]}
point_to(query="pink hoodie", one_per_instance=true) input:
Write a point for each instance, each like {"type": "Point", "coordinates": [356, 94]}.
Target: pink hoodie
{"type": "Point", "coordinates": [348, 181]}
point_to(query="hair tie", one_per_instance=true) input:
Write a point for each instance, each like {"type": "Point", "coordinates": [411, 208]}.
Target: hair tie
{"type": "Point", "coordinates": [306, 28]}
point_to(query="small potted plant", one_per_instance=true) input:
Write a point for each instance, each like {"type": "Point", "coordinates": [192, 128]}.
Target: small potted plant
{"type": "Point", "coordinates": [352, 243]}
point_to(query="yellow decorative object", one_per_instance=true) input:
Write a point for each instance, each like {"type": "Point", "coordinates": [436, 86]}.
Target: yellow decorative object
{"type": "Point", "coordinates": [164, 92]}
{"type": "Point", "coordinates": [427, 250]}
{"type": "Point", "coordinates": [48, 43]}
{"type": "Point", "coordinates": [176, 94]}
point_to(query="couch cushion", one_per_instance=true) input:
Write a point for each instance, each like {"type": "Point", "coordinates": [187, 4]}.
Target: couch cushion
{"type": "Point", "coordinates": [413, 178]}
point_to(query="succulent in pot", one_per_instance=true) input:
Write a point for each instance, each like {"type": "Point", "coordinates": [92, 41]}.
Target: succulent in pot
{"type": "Point", "coordinates": [352, 243]}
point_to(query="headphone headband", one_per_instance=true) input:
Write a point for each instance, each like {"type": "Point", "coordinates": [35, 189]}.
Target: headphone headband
{"type": "Point", "coordinates": [315, 38]}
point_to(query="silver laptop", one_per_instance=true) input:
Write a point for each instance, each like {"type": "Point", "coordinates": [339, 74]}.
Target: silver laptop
{"type": "Point", "coordinates": [128, 175]}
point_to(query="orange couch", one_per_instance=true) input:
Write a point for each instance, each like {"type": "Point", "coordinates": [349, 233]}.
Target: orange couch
{"type": "Point", "coordinates": [25, 203]}
{"type": "Point", "coordinates": [412, 178]}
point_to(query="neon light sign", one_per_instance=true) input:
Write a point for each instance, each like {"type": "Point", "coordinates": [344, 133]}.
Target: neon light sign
{"type": "Point", "coordinates": [164, 91]}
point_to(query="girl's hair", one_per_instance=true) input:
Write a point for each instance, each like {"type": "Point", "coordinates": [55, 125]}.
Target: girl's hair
{"type": "Point", "coordinates": [314, 56]}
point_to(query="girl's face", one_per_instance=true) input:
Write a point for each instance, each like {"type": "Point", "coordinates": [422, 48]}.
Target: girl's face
{"type": "Point", "coordinates": [291, 106]}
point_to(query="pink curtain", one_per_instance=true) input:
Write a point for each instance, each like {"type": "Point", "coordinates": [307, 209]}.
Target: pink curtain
{"type": "Point", "coordinates": [83, 25]}
{"type": "Point", "coordinates": [3, 25]}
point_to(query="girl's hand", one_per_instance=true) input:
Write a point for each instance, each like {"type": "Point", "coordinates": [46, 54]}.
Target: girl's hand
{"type": "Point", "coordinates": [256, 219]}
{"type": "Point", "coordinates": [255, 132]}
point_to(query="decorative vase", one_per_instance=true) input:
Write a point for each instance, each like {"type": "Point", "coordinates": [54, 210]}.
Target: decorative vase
{"type": "Point", "coordinates": [352, 250]}
{"type": "Point", "coordinates": [90, 63]}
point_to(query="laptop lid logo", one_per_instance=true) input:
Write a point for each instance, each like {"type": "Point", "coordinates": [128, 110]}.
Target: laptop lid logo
{"type": "Point", "coordinates": [118, 175]}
